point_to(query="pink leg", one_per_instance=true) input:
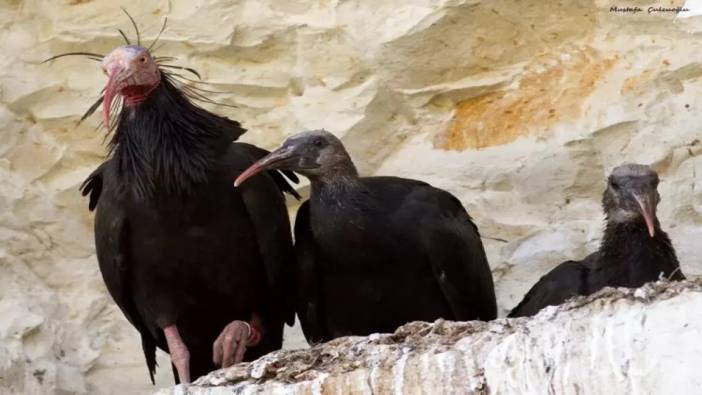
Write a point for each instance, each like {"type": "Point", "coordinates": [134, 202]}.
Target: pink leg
{"type": "Point", "coordinates": [180, 356]}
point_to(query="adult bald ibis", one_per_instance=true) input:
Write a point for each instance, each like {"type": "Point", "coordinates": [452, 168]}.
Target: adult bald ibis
{"type": "Point", "coordinates": [634, 249]}
{"type": "Point", "coordinates": [377, 252]}
{"type": "Point", "coordinates": [197, 266]}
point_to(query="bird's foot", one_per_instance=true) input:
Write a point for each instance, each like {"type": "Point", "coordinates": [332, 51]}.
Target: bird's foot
{"type": "Point", "coordinates": [230, 346]}
{"type": "Point", "coordinates": [180, 356]}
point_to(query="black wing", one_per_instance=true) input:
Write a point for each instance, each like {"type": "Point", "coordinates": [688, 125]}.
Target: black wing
{"type": "Point", "coordinates": [560, 284]}
{"type": "Point", "coordinates": [111, 230]}
{"type": "Point", "coordinates": [456, 254]}
{"type": "Point", "coordinates": [264, 200]}
{"type": "Point", "coordinates": [310, 307]}
{"type": "Point", "coordinates": [449, 241]}
{"type": "Point", "coordinates": [93, 186]}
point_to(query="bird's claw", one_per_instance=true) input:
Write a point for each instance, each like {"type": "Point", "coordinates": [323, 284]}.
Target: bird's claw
{"type": "Point", "coordinates": [230, 346]}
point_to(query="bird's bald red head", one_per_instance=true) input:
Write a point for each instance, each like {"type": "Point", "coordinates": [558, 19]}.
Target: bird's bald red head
{"type": "Point", "coordinates": [132, 73]}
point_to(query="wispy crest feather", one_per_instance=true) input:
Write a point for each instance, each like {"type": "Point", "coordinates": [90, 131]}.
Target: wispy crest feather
{"type": "Point", "coordinates": [191, 88]}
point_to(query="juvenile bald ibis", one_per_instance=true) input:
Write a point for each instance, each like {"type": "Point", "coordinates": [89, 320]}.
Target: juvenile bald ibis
{"type": "Point", "coordinates": [377, 252]}
{"type": "Point", "coordinates": [634, 249]}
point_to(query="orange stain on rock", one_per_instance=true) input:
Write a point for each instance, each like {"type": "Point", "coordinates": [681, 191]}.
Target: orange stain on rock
{"type": "Point", "coordinates": [551, 90]}
{"type": "Point", "coordinates": [634, 82]}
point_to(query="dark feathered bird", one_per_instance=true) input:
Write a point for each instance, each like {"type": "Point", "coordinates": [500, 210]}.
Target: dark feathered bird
{"type": "Point", "coordinates": [377, 252]}
{"type": "Point", "coordinates": [634, 249]}
{"type": "Point", "coordinates": [197, 266]}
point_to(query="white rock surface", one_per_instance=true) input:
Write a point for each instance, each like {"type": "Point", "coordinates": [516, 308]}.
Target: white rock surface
{"type": "Point", "coordinates": [617, 342]}
{"type": "Point", "coordinates": [518, 108]}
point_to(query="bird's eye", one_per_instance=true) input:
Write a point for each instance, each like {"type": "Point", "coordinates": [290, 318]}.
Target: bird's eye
{"type": "Point", "coordinates": [143, 59]}
{"type": "Point", "coordinates": [318, 142]}
{"type": "Point", "coordinates": [615, 185]}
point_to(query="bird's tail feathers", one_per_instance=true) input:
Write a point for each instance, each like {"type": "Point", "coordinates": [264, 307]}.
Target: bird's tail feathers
{"type": "Point", "coordinates": [149, 347]}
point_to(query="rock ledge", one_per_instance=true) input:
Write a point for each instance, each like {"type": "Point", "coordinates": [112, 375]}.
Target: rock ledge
{"type": "Point", "coordinates": [617, 341]}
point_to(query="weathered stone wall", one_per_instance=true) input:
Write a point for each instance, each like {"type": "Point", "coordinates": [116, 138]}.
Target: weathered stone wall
{"type": "Point", "coordinates": [518, 108]}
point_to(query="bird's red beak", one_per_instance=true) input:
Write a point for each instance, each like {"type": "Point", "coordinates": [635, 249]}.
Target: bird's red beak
{"type": "Point", "coordinates": [111, 90]}
{"type": "Point", "coordinates": [648, 212]}
{"type": "Point", "coordinates": [269, 161]}
{"type": "Point", "coordinates": [117, 67]}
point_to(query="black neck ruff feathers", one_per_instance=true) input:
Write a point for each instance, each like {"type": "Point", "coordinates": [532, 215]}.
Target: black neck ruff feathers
{"type": "Point", "coordinates": [168, 144]}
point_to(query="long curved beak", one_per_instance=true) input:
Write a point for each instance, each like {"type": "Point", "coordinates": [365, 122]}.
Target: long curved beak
{"type": "Point", "coordinates": [268, 162]}
{"type": "Point", "coordinates": [647, 210]}
{"type": "Point", "coordinates": [117, 76]}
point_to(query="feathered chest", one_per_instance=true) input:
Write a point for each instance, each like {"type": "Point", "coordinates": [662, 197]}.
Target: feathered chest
{"type": "Point", "coordinates": [355, 235]}
{"type": "Point", "coordinates": [336, 220]}
{"type": "Point", "coordinates": [634, 258]}
{"type": "Point", "coordinates": [150, 163]}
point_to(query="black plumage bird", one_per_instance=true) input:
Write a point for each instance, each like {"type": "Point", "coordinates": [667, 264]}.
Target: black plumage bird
{"type": "Point", "coordinates": [197, 266]}
{"type": "Point", "coordinates": [377, 252]}
{"type": "Point", "coordinates": [634, 249]}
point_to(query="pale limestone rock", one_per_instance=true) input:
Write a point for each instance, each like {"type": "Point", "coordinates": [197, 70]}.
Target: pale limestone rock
{"type": "Point", "coordinates": [619, 341]}
{"type": "Point", "coordinates": [518, 108]}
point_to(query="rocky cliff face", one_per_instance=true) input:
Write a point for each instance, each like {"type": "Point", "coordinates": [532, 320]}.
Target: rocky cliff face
{"type": "Point", "coordinates": [616, 342]}
{"type": "Point", "coordinates": [518, 108]}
